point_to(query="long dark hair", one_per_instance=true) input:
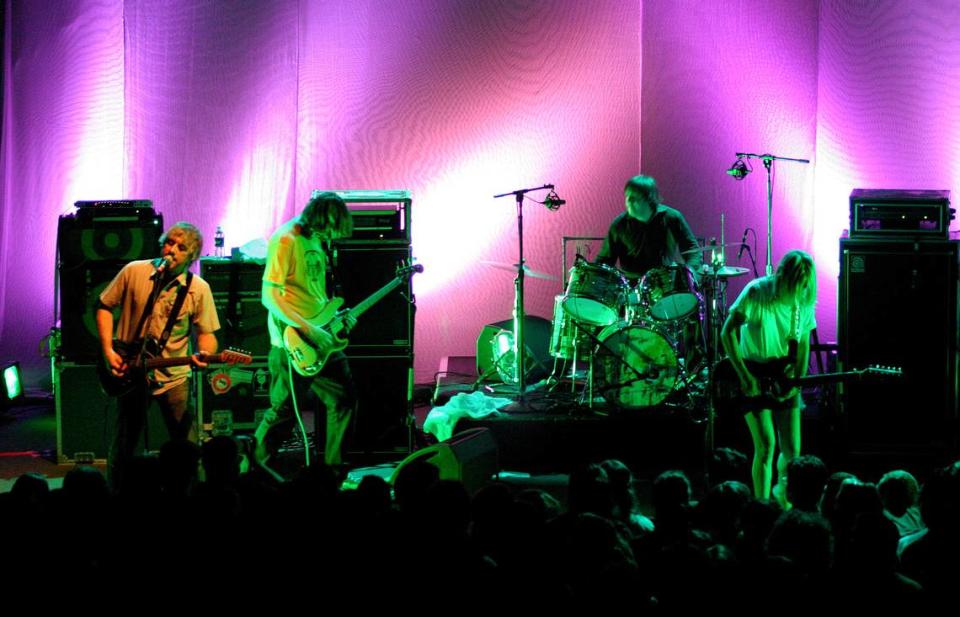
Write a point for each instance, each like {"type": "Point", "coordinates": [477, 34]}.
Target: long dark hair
{"type": "Point", "coordinates": [326, 210]}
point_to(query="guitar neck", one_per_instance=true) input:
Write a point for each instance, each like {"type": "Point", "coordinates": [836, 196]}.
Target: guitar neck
{"type": "Point", "coordinates": [168, 362]}
{"type": "Point", "coordinates": [821, 378]}
{"type": "Point", "coordinates": [378, 295]}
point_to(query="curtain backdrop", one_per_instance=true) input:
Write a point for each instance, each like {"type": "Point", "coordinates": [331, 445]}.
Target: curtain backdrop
{"type": "Point", "coordinates": [230, 113]}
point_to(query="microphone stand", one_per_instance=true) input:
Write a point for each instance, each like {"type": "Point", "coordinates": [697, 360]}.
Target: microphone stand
{"type": "Point", "coordinates": [768, 165]}
{"type": "Point", "coordinates": [518, 311]}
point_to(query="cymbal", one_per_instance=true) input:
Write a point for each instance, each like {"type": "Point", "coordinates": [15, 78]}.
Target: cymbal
{"type": "Point", "coordinates": [724, 271]}
{"type": "Point", "coordinates": [527, 271]}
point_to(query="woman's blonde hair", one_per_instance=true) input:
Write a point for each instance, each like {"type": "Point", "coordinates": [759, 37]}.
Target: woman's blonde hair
{"type": "Point", "coordinates": [796, 271]}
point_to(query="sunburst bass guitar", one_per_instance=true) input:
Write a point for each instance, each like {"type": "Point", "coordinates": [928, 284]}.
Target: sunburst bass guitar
{"type": "Point", "coordinates": [308, 356]}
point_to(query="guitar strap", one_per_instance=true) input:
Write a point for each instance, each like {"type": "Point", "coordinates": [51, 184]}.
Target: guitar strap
{"type": "Point", "coordinates": [174, 313]}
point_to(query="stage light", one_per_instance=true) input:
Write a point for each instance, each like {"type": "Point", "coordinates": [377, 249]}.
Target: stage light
{"type": "Point", "coordinates": [12, 384]}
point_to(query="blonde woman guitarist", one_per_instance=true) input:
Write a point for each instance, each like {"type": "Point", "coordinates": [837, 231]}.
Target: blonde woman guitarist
{"type": "Point", "coordinates": [768, 330]}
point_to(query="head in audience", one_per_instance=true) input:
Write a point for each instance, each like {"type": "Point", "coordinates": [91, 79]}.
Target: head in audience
{"type": "Point", "coordinates": [727, 464]}
{"type": "Point", "coordinates": [806, 477]}
{"type": "Point", "coordinates": [899, 490]}
{"type": "Point", "coordinates": [805, 539]}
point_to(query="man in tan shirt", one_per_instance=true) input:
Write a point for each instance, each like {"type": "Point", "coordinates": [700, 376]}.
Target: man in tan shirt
{"type": "Point", "coordinates": [152, 286]}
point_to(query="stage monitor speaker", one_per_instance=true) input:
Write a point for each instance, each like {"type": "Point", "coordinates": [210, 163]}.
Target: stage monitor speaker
{"type": "Point", "coordinates": [387, 327]}
{"type": "Point", "coordinates": [470, 456]}
{"type": "Point", "coordinates": [898, 307]}
{"type": "Point", "coordinates": [86, 417]}
{"type": "Point", "coordinates": [79, 295]}
{"type": "Point", "coordinates": [383, 386]}
{"type": "Point", "coordinates": [536, 336]}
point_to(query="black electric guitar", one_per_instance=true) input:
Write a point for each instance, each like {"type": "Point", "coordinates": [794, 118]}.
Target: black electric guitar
{"type": "Point", "coordinates": [775, 384]}
{"type": "Point", "coordinates": [308, 356]}
{"type": "Point", "coordinates": [139, 364]}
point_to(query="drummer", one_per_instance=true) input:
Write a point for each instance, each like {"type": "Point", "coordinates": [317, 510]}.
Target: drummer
{"type": "Point", "coordinates": [648, 234]}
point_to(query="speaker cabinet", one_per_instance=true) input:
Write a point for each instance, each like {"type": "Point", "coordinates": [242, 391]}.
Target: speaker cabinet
{"type": "Point", "coordinates": [93, 245]}
{"type": "Point", "coordinates": [80, 288]}
{"type": "Point", "coordinates": [470, 456]}
{"type": "Point", "coordinates": [898, 307]}
{"type": "Point", "coordinates": [102, 234]}
{"type": "Point", "coordinates": [383, 386]}
{"type": "Point", "coordinates": [236, 293]}
{"type": "Point", "coordinates": [243, 323]}
{"type": "Point", "coordinates": [87, 418]}
{"type": "Point", "coordinates": [387, 327]}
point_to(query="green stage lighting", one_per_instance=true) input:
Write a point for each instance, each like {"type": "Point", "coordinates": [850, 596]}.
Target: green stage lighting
{"type": "Point", "coordinates": [12, 383]}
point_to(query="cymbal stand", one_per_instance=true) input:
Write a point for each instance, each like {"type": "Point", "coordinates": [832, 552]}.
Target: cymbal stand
{"type": "Point", "coordinates": [518, 310]}
{"type": "Point", "coordinates": [716, 292]}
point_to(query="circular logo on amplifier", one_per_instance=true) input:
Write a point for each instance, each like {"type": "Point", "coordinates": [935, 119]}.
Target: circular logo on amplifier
{"type": "Point", "coordinates": [220, 383]}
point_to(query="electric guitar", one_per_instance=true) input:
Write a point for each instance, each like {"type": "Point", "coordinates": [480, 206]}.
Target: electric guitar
{"type": "Point", "coordinates": [775, 384]}
{"type": "Point", "coordinates": [138, 366]}
{"type": "Point", "coordinates": [309, 356]}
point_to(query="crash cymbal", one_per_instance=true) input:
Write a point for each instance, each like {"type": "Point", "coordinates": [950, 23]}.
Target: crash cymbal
{"type": "Point", "coordinates": [724, 271]}
{"type": "Point", "coordinates": [527, 271]}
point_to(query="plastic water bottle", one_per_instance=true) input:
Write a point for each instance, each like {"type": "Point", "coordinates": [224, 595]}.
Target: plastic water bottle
{"type": "Point", "coordinates": [218, 242]}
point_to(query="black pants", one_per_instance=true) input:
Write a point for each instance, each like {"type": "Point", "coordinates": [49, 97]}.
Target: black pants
{"type": "Point", "coordinates": [132, 409]}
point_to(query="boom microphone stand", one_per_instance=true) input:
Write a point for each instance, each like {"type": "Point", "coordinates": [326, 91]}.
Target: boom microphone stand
{"type": "Point", "coordinates": [768, 165]}
{"type": "Point", "coordinates": [518, 310]}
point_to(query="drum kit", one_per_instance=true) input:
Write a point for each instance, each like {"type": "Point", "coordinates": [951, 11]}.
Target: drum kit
{"type": "Point", "coordinates": [643, 344]}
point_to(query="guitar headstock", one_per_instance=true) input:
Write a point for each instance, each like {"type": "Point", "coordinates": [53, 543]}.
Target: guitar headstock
{"type": "Point", "coordinates": [408, 268]}
{"type": "Point", "coordinates": [235, 356]}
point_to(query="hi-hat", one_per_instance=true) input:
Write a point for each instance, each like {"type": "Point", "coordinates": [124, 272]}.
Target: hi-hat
{"type": "Point", "coordinates": [723, 271]}
{"type": "Point", "coordinates": [527, 271]}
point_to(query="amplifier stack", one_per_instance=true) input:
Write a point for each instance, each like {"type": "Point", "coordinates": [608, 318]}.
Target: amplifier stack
{"type": "Point", "coordinates": [898, 306]}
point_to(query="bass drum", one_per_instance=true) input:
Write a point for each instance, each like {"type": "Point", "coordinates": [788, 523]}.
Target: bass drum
{"type": "Point", "coordinates": [636, 366]}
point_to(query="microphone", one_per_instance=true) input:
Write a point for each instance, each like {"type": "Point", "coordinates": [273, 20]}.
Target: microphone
{"type": "Point", "coordinates": [553, 201]}
{"type": "Point", "coordinates": [738, 170]}
{"type": "Point", "coordinates": [161, 264]}
{"type": "Point", "coordinates": [743, 242]}
{"type": "Point", "coordinates": [554, 204]}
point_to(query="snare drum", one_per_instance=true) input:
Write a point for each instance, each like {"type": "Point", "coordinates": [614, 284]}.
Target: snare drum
{"type": "Point", "coordinates": [595, 293]}
{"type": "Point", "coordinates": [670, 293]}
